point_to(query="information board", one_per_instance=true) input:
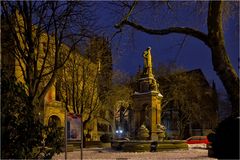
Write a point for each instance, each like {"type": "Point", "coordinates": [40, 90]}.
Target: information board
{"type": "Point", "coordinates": [73, 126]}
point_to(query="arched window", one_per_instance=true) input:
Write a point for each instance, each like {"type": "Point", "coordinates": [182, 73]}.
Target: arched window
{"type": "Point", "coordinates": [54, 120]}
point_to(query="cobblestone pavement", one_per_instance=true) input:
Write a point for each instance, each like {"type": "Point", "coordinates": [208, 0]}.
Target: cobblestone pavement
{"type": "Point", "coordinates": [98, 153]}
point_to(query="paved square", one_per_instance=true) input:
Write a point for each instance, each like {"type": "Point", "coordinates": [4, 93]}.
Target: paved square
{"type": "Point", "coordinates": [110, 154]}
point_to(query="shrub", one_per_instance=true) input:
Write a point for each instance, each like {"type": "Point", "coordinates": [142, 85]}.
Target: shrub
{"type": "Point", "coordinates": [21, 130]}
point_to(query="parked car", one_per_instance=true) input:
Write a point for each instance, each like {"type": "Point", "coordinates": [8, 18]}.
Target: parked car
{"type": "Point", "coordinates": [197, 140]}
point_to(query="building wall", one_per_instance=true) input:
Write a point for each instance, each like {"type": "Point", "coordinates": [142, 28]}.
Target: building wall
{"type": "Point", "coordinates": [54, 108]}
{"type": "Point", "coordinates": [18, 68]}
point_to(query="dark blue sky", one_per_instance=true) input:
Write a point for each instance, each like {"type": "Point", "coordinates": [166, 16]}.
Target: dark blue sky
{"type": "Point", "coordinates": [129, 45]}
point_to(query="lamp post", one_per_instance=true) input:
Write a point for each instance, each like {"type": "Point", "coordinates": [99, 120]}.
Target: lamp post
{"type": "Point", "coordinates": [65, 132]}
{"type": "Point", "coordinates": [81, 136]}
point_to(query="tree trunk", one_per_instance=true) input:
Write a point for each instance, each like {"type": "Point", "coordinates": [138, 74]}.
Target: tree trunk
{"type": "Point", "coordinates": [84, 136]}
{"type": "Point", "coordinates": [220, 59]}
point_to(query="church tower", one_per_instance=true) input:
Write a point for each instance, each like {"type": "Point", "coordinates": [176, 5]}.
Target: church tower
{"type": "Point", "coordinates": [146, 106]}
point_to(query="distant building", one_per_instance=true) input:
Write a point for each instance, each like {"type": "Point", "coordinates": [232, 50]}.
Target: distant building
{"type": "Point", "coordinates": [225, 107]}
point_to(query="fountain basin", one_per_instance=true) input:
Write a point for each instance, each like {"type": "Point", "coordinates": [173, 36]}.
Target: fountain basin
{"type": "Point", "coordinates": [145, 145]}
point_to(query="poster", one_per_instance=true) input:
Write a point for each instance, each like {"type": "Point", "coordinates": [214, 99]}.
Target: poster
{"type": "Point", "coordinates": [73, 126]}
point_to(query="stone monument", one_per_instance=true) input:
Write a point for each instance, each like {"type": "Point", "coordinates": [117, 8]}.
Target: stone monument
{"type": "Point", "coordinates": [146, 106]}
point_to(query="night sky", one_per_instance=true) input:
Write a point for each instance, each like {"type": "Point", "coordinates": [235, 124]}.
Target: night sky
{"type": "Point", "coordinates": [128, 46]}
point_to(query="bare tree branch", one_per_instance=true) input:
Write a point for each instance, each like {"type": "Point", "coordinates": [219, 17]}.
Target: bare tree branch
{"type": "Point", "coordinates": [214, 39]}
{"type": "Point", "coordinates": [182, 30]}
{"type": "Point", "coordinates": [180, 48]}
{"type": "Point", "coordinates": [125, 18]}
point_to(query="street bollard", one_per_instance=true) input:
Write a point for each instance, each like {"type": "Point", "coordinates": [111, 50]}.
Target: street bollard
{"type": "Point", "coordinates": [153, 146]}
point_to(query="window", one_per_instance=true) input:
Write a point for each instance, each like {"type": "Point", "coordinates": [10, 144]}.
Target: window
{"type": "Point", "coordinates": [54, 120]}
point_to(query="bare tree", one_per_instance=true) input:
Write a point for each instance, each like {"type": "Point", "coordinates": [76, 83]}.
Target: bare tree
{"type": "Point", "coordinates": [37, 33]}
{"type": "Point", "coordinates": [190, 96]}
{"type": "Point", "coordinates": [118, 99]}
{"type": "Point", "coordinates": [79, 87]}
{"type": "Point", "coordinates": [86, 80]}
{"type": "Point", "coordinates": [214, 39]}
{"type": "Point", "coordinates": [98, 50]}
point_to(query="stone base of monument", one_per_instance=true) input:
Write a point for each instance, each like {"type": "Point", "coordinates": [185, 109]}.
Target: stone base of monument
{"type": "Point", "coordinates": [145, 145]}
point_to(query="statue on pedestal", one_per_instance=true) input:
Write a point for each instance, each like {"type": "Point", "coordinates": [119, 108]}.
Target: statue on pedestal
{"type": "Point", "coordinates": [147, 68]}
{"type": "Point", "coordinates": [146, 107]}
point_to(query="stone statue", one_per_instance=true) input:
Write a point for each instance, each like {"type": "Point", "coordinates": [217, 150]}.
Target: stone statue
{"type": "Point", "coordinates": [147, 68]}
{"type": "Point", "coordinates": [161, 129]}
{"type": "Point", "coordinates": [143, 132]}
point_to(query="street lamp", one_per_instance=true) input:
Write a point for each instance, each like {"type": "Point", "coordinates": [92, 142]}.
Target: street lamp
{"type": "Point", "coordinates": [119, 133]}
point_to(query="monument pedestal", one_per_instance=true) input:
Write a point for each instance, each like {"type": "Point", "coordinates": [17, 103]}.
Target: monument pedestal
{"type": "Point", "coordinates": [146, 109]}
